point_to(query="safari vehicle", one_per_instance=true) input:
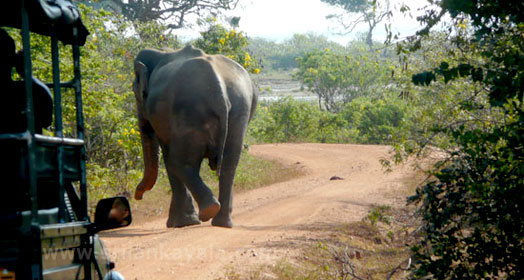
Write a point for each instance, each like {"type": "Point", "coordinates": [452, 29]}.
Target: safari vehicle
{"type": "Point", "coordinates": [45, 228]}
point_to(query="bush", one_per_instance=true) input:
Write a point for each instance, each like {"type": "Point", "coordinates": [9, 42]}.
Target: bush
{"type": "Point", "coordinates": [376, 120]}
{"type": "Point", "coordinates": [472, 208]}
{"type": "Point", "coordinates": [364, 120]}
{"type": "Point", "coordinates": [285, 120]}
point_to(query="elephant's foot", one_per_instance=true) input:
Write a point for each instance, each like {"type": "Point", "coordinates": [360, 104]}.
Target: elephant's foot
{"type": "Point", "coordinates": [209, 210]}
{"type": "Point", "coordinates": [183, 221]}
{"type": "Point", "coordinates": [222, 221]}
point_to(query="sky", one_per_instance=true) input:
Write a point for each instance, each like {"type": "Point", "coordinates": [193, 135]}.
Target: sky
{"type": "Point", "coordinates": [279, 19]}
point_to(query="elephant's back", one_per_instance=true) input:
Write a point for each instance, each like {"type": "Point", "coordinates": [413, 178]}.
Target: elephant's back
{"type": "Point", "coordinates": [195, 85]}
{"type": "Point", "coordinates": [186, 88]}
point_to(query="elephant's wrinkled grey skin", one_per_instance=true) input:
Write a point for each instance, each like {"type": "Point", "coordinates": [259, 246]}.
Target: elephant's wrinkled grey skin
{"type": "Point", "coordinates": [193, 106]}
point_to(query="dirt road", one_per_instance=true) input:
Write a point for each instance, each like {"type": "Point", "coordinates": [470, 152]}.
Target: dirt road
{"type": "Point", "coordinates": [270, 223]}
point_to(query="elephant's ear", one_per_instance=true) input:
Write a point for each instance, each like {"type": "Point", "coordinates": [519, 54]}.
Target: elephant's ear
{"type": "Point", "coordinates": [141, 81]}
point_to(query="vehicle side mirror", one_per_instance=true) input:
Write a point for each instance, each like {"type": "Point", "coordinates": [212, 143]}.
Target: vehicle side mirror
{"type": "Point", "coordinates": [113, 212]}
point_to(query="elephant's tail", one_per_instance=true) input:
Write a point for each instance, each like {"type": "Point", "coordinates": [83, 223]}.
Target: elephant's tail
{"type": "Point", "coordinates": [223, 127]}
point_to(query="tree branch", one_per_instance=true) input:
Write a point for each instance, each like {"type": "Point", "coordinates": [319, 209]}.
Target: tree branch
{"type": "Point", "coordinates": [400, 267]}
{"type": "Point", "coordinates": [167, 10]}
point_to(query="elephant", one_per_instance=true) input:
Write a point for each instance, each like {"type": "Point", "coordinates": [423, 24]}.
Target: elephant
{"type": "Point", "coordinates": [193, 106]}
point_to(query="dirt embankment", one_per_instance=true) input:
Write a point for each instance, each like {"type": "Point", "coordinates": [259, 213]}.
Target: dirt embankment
{"type": "Point", "coordinates": [270, 223]}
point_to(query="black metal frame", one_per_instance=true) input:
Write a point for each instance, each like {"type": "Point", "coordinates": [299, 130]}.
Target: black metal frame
{"type": "Point", "coordinates": [31, 253]}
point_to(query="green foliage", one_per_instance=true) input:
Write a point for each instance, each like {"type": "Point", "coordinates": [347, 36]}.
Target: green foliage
{"type": "Point", "coordinates": [474, 226]}
{"type": "Point", "coordinates": [231, 43]}
{"type": "Point", "coordinates": [381, 214]}
{"type": "Point", "coordinates": [364, 120]}
{"type": "Point", "coordinates": [288, 120]}
{"type": "Point", "coordinates": [338, 79]}
{"type": "Point", "coordinates": [375, 119]}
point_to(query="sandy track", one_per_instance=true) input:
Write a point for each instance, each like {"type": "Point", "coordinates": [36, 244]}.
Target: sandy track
{"type": "Point", "coordinates": [270, 223]}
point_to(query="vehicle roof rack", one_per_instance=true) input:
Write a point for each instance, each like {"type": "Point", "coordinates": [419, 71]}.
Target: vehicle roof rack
{"type": "Point", "coordinates": [48, 17]}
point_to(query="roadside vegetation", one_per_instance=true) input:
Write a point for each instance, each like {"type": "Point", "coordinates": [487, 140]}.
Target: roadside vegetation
{"type": "Point", "coordinates": [365, 120]}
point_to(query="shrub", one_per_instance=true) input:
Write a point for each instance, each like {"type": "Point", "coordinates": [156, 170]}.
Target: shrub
{"type": "Point", "coordinates": [364, 120]}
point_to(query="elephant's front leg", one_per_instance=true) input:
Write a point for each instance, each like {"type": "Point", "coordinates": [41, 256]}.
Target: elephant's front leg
{"type": "Point", "coordinates": [181, 211]}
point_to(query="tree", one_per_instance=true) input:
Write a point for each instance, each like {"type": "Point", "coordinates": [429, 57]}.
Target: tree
{"type": "Point", "coordinates": [337, 79]}
{"type": "Point", "coordinates": [218, 39]}
{"type": "Point", "coordinates": [369, 12]}
{"type": "Point", "coordinates": [172, 12]}
{"type": "Point", "coordinates": [472, 209]}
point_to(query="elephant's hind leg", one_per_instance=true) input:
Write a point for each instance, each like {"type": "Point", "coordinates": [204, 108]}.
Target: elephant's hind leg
{"type": "Point", "coordinates": [208, 205]}
{"type": "Point", "coordinates": [181, 211]}
{"type": "Point", "coordinates": [186, 166]}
